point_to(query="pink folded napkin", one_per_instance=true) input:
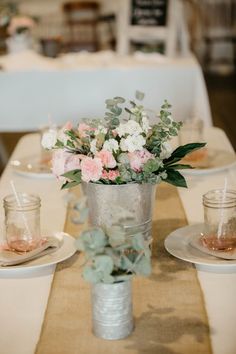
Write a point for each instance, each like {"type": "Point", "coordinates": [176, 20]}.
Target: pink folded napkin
{"type": "Point", "coordinates": [196, 243]}
{"type": "Point", "coordinates": [10, 258]}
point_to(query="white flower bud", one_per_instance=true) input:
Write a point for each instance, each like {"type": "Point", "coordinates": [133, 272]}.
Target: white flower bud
{"type": "Point", "coordinates": [49, 139]}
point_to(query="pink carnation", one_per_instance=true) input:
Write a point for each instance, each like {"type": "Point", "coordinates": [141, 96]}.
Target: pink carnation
{"type": "Point", "coordinates": [138, 158]}
{"type": "Point", "coordinates": [83, 128]}
{"type": "Point", "coordinates": [107, 158]}
{"type": "Point", "coordinates": [20, 22]}
{"type": "Point", "coordinates": [72, 163]}
{"type": "Point", "coordinates": [63, 161]}
{"type": "Point", "coordinates": [59, 158]}
{"type": "Point", "coordinates": [114, 133]}
{"type": "Point", "coordinates": [91, 169]}
{"type": "Point", "coordinates": [111, 175]}
{"type": "Point", "coordinates": [67, 126]}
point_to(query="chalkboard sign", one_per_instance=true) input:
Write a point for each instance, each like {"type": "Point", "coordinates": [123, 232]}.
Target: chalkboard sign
{"type": "Point", "coordinates": [149, 12]}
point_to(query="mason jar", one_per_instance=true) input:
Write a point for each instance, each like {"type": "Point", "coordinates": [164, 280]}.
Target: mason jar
{"type": "Point", "coordinates": [220, 219]}
{"type": "Point", "coordinates": [22, 221]}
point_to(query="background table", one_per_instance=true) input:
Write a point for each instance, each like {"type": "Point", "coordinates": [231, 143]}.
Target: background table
{"type": "Point", "coordinates": [76, 86]}
{"type": "Point", "coordinates": [24, 296]}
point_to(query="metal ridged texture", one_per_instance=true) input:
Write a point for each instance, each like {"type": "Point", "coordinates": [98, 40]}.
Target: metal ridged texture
{"type": "Point", "coordinates": [130, 205]}
{"type": "Point", "coordinates": [112, 310]}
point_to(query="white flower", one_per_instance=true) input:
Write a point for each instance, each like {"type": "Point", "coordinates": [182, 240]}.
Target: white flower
{"type": "Point", "coordinates": [131, 127]}
{"type": "Point", "coordinates": [49, 139]}
{"type": "Point", "coordinates": [100, 130]}
{"type": "Point", "coordinates": [63, 137]}
{"type": "Point", "coordinates": [93, 146]}
{"type": "Point", "coordinates": [132, 143]}
{"type": "Point", "coordinates": [111, 145]}
{"type": "Point", "coordinates": [166, 151]}
{"type": "Point", "coordinates": [145, 124]}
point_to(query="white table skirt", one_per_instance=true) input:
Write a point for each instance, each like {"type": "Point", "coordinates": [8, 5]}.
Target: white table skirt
{"type": "Point", "coordinates": [23, 298]}
{"type": "Point", "coordinates": [28, 97]}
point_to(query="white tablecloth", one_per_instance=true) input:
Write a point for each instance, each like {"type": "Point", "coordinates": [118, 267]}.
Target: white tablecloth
{"type": "Point", "coordinates": [23, 296]}
{"type": "Point", "coordinates": [76, 86]}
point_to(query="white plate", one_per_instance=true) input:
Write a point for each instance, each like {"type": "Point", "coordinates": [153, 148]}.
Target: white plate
{"type": "Point", "coordinates": [219, 160]}
{"type": "Point", "coordinates": [178, 244]}
{"type": "Point", "coordinates": [32, 166]}
{"type": "Point", "coordinates": [65, 251]}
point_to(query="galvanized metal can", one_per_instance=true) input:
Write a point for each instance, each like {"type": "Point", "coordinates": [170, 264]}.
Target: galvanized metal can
{"type": "Point", "coordinates": [112, 310]}
{"type": "Point", "coordinates": [130, 205]}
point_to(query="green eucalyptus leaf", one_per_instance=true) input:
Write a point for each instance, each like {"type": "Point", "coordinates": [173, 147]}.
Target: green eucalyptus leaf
{"type": "Point", "coordinates": [138, 242]}
{"type": "Point", "coordinates": [81, 218]}
{"type": "Point", "coordinates": [80, 203]}
{"type": "Point", "coordinates": [151, 165]}
{"type": "Point", "coordinates": [126, 263]}
{"type": "Point", "coordinates": [119, 99]}
{"type": "Point", "coordinates": [104, 264]}
{"type": "Point", "coordinates": [116, 235]}
{"type": "Point", "coordinates": [143, 266]}
{"type": "Point", "coordinates": [110, 102]}
{"type": "Point", "coordinates": [93, 241]}
{"type": "Point", "coordinates": [91, 275]}
{"type": "Point", "coordinates": [139, 95]}
{"type": "Point", "coordinates": [116, 110]}
{"type": "Point", "coordinates": [108, 279]}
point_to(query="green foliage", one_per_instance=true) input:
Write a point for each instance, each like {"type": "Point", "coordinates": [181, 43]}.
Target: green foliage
{"type": "Point", "coordinates": [181, 152]}
{"type": "Point", "coordinates": [162, 166]}
{"type": "Point", "coordinates": [112, 255]}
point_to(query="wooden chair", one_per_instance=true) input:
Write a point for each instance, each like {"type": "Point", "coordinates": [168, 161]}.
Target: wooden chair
{"type": "Point", "coordinates": [81, 19]}
{"type": "Point", "coordinates": [170, 29]}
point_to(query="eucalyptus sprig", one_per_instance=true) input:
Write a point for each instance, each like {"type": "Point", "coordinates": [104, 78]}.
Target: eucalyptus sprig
{"type": "Point", "coordinates": [112, 256]}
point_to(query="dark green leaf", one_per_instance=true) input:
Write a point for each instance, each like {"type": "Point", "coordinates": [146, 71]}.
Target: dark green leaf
{"type": "Point", "coordinates": [182, 151]}
{"type": "Point", "coordinates": [175, 178]}
{"type": "Point", "coordinates": [68, 185]}
{"type": "Point", "coordinates": [59, 144]}
{"type": "Point", "coordinates": [180, 166]}
{"type": "Point", "coordinates": [74, 175]}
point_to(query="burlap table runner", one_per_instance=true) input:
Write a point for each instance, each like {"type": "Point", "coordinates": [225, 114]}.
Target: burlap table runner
{"type": "Point", "coordinates": [169, 311]}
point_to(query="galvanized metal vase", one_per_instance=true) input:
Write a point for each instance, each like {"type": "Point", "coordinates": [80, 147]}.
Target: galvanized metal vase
{"type": "Point", "coordinates": [112, 310]}
{"type": "Point", "coordinates": [130, 205]}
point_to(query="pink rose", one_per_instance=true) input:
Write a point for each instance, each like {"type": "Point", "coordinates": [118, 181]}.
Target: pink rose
{"type": "Point", "coordinates": [83, 128]}
{"type": "Point", "coordinates": [107, 158]}
{"type": "Point", "coordinates": [111, 175]}
{"type": "Point", "coordinates": [138, 158]}
{"type": "Point", "coordinates": [91, 169]}
{"type": "Point", "coordinates": [59, 158]}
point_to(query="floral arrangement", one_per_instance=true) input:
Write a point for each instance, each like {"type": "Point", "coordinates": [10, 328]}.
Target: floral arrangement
{"type": "Point", "coordinates": [121, 148]}
{"type": "Point", "coordinates": [20, 24]}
